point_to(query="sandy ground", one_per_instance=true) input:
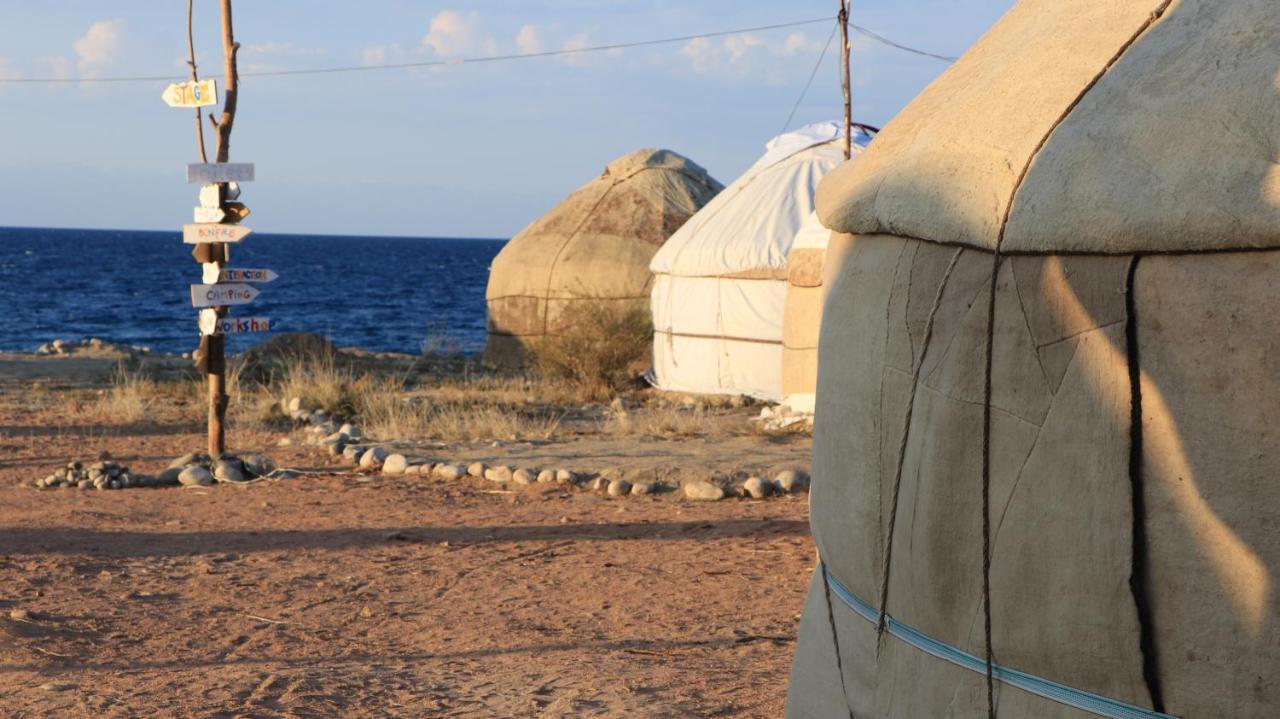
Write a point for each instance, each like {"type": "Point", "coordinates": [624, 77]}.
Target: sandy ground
{"type": "Point", "coordinates": [340, 595]}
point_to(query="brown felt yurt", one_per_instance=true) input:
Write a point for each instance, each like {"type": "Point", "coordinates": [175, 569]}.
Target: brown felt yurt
{"type": "Point", "coordinates": [1047, 435]}
{"type": "Point", "coordinates": [594, 246]}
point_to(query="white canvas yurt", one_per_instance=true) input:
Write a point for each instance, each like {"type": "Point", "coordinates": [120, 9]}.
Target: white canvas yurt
{"type": "Point", "coordinates": [720, 282]}
{"type": "Point", "coordinates": [1047, 439]}
{"type": "Point", "coordinates": [593, 247]}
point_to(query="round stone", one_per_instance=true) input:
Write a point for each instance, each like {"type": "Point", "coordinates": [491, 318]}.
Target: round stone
{"type": "Point", "coordinates": [448, 471]}
{"type": "Point", "coordinates": [757, 488]}
{"type": "Point", "coordinates": [642, 488]}
{"type": "Point", "coordinates": [395, 464]}
{"type": "Point", "coordinates": [477, 469]}
{"type": "Point", "coordinates": [501, 473]}
{"type": "Point", "coordinates": [790, 480]}
{"type": "Point", "coordinates": [523, 476]}
{"type": "Point", "coordinates": [258, 465]}
{"type": "Point", "coordinates": [619, 488]}
{"type": "Point", "coordinates": [373, 458]}
{"type": "Point", "coordinates": [702, 490]}
{"type": "Point", "coordinates": [229, 470]}
{"type": "Point", "coordinates": [195, 476]}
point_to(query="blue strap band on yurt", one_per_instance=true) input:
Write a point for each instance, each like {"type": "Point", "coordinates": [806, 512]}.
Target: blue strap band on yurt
{"type": "Point", "coordinates": [1102, 706]}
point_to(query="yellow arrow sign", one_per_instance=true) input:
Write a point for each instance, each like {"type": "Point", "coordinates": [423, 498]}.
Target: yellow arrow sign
{"type": "Point", "coordinates": [191, 94]}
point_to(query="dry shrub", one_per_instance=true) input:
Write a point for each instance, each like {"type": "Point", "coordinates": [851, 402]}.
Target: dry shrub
{"type": "Point", "coordinates": [599, 350]}
{"type": "Point", "coordinates": [659, 421]}
{"type": "Point", "coordinates": [321, 384]}
{"type": "Point", "coordinates": [129, 398]}
{"type": "Point", "coordinates": [388, 412]}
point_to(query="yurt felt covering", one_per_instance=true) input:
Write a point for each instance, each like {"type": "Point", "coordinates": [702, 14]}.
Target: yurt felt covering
{"type": "Point", "coordinates": [1100, 291]}
{"type": "Point", "coordinates": [594, 246]}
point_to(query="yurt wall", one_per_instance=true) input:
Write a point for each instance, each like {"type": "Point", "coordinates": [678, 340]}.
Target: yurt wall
{"type": "Point", "coordinates": [1047, 430]}
{"type": "Point", "coordinates": [595, 246]}
{"type": "Point", "coordinates": [721, 281]}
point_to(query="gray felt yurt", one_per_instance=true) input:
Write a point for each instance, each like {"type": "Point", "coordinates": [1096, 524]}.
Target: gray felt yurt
{"type": "Point", "coordinates": [1048, 409]}
{"type": "Point", "coordinates": [594, 246]}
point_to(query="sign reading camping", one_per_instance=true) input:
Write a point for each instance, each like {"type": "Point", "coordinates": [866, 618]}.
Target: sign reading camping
{"type": "Point", "coordinates": [222, 295]}
{"type": "Point", "coordinates": [191, 94]}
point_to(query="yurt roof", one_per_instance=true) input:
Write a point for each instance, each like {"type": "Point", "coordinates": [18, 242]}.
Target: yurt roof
{"type": "Point", "coordinates": [751, 224]}
{"type": "Point", "coordinates": [1107, 127]}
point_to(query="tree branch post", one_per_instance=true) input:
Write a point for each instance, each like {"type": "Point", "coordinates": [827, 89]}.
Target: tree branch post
{"type": "Point", "coordinates": [216, 343]}
{"type": "Point", "coordinates": [844, 54]}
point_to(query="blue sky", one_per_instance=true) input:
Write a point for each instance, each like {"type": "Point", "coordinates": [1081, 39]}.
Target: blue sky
{"type": "Point", "coordinates": [463, 150]}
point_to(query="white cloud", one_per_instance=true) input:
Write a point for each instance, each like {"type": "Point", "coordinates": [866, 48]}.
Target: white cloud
{"type": "Point", "coordinates": [529, 39]}
{"type": "Point", "coordinates": [98, 46]}
{"type": "Point", "coordinates": [284, 49]}
{"type": "Point", "coordinates": [746, 54]}
{"type": "Point", "coordinates": [56, 67]}
{"type": "Point", "coordinates": [379, 54]}
{"type": "Point", "coordinates": [453, 33]}
{"type": "Point", "coordinates": [8, 69]}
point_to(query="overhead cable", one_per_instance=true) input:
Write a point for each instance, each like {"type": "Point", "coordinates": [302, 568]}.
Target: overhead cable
{"type": "Point", "coordinates": [791, 116]}
{"type": "Point", "coordinates": [482, 58]}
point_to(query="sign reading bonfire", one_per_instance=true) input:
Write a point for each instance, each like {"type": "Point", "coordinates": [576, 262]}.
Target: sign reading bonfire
{"type": "Point", "coordinates": [216, 226]}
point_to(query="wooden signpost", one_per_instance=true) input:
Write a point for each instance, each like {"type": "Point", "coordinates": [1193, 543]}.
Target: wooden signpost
{"type": "Point", "coordinates": [199, 93]}
{"type": "Point", "coordinates": [215, 226]}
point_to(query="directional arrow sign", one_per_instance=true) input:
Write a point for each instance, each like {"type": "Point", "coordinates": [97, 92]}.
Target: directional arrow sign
{"type": "Point", "coordinates": [220, 172]}
{"type": "Point", "coordinates": [232, 274]}
{"type": "Point", "coordinates": [199, 234]}
{"type": "Point", "coordinates": [222, 295]}
{"type": "Point", "coordinates": [212, 324]}
{"type": "Point", "coordinates": [191, 94]}
{"type": "Point", "coordinates": [208, 214]}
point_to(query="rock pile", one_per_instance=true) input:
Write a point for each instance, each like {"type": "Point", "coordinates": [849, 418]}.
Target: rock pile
{"type": "Point", "coordinates": [89, 344]}
{"type": "Point", "coordinates": [349, 443]}
{"type": "Point", "coordinates": [200, 470]}
{"type": "Point", "coordinates": [193, 470]}
{"type": "Point", "coordinates": [103, 474]}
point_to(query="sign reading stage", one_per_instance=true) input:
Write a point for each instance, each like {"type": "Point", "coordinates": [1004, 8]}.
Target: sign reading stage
{"type": "Point", "coordinates": [222, 295]}
{"type": "Point", "coordinates": [220, 172]}
{"type": "Point", "coordinates": [191, 94]}
{"type": "Point", "coordinates": [200, 234]}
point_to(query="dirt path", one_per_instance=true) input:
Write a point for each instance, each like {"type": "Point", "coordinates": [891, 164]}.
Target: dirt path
{"type": "Point", "coordinates": [337, 595]}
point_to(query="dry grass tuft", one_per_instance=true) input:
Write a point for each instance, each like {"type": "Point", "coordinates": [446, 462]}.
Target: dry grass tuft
{"type": "Point", "coordinates": [389, 412]}
{"type": "Point", "coordinates": [660, 421]}
{"type": "Point", "coordinates": [321, 384]}
{"type": "Point", "coordinates": [129, 398]}
{"type": "Point", "coordinates": [599, 351]}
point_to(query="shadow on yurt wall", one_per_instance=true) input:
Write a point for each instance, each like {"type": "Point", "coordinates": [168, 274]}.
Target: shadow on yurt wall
{"type": "Point", "coordinates": [1047, 432]}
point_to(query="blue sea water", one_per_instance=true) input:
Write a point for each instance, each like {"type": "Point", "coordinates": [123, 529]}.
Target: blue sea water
{"type": "Point", "coordinates": [377, 293]}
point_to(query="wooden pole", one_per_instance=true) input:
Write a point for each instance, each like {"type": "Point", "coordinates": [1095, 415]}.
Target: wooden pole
{"type": "Point", "coordinates": [195, 77]}
{"type": "Point", "coordinates": [214, 345]}
{"type": "Point", "coordinates": [844, 53]}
